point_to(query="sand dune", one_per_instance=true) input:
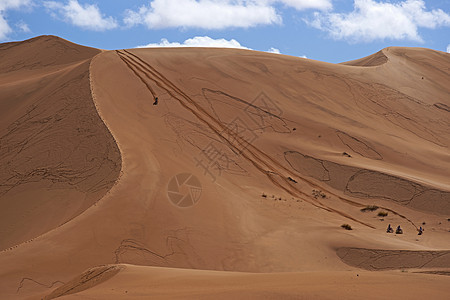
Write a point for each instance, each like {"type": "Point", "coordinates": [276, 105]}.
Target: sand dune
{"type": "Point", "coordinates": [57, 156]}
{"type": "Point", "coordinates": [161, 283]}
{"type": "Point", "coordinates": [249, 163]}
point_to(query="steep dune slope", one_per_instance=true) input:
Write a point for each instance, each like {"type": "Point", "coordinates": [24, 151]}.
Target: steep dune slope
{"type": "Point", "coordinates": [251, 162]}
{"type": "Point", "coordinates": [56, 156]}
{"type": "Point", "coordinates": [357, 116]}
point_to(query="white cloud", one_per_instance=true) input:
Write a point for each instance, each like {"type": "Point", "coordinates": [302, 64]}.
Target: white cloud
{"type": "Point", "coordinates": [198, 41]}
{"type": "Point", "coordinates": [6, 5]}
{"type": "Point", "coordinates": [373, 20]}
{"type": "Point", "coordinates": [203, 41]}
{"type": "Point", "coordinates": [22, 26]}
{"type": "Point", "coordinates": [308, 4]}
{"type": "Point", "coordinates": [206, 14]}
{"type": "Point", "coordinates": [14, 4]}
{"type": "Point", "coordinates": [448, 48]}
{"type": "Point", "coordinates": [274, 50]}
{"type": "Point", "coordinates": [4, 28]}
{"type": "Point", "coordinates": [86, 16]}
{"type": "Point", "coordinates": [215, 14]}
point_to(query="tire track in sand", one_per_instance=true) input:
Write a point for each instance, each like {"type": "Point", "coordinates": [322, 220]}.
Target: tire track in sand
{"type": "Point", "coordinates": [274, 171]}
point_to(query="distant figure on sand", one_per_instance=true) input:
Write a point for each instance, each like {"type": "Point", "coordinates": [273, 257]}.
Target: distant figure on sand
{"type": "Point", "coordinates": [399, 230]}
{"type": "Point", "coordinates": [389, 229]}
{"type": "Point", "coordinates": [156, 101]}
{"type": "Point", "coordinates": [420, 230]}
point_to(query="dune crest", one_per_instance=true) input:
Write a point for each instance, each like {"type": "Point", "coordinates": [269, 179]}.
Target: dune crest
{"type": "Point", "coordinates": [372, 60]}
{"type": "Point", "coordinates": [42, 52]}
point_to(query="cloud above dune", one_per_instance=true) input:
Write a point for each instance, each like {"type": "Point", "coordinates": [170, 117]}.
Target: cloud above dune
{"type": "Point", "coordinates": [5, 5]}
{"type": "Point", "coordinates": [274, 50]}
{"type": "Point", "coordinates": [23, 27]}
{"type": "Point", "coordinates": [5, 29]}
{"type": "Point", "coordinates": [206, 14]}
{"type": "Point", "coordinates": [214, 14]}
{"type": "Point", "coordinates": [307, 4]}
{"type": "Point", "coordinates": [14, 4]}
{"type": "Point", "coordinates": [378, 20]}
{"type": "Point", "coordinates": [198, 41]}
{"type": "Point", "coordinates": [204, 41]}
{"type": "Point", "coordinates": [87, 16]}
{"type": "Point", "coordinates": [448, 48]}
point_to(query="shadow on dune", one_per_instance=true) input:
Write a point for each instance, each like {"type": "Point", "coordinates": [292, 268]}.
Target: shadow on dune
{"type": "Point", "coordinates": [363, 183]}
{"type": "Point", "coordinates": [57, 156]}
{"type": "Point", "coordinates": [377, 260]}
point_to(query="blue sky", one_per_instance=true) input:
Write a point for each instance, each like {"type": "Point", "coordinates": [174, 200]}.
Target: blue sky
{"type": "Point", "coordinates": [326, 30]}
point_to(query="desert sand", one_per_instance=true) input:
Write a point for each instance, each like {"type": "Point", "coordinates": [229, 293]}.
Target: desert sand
{"type": "Point", "coordinates": [235, 185]}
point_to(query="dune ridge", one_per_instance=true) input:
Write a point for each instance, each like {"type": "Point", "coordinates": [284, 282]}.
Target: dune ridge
{"type": "Point", "coordinates": [372, 60]}
{"type": "Point", "coordinates": [41, 52]}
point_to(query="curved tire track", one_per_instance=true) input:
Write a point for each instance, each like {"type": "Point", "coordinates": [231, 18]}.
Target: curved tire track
{"type": "Point", "coordinates": [274, 171]}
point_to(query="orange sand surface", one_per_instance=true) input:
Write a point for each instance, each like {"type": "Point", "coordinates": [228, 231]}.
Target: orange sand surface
{"type": "Point", "coordinates": [235, 185]}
